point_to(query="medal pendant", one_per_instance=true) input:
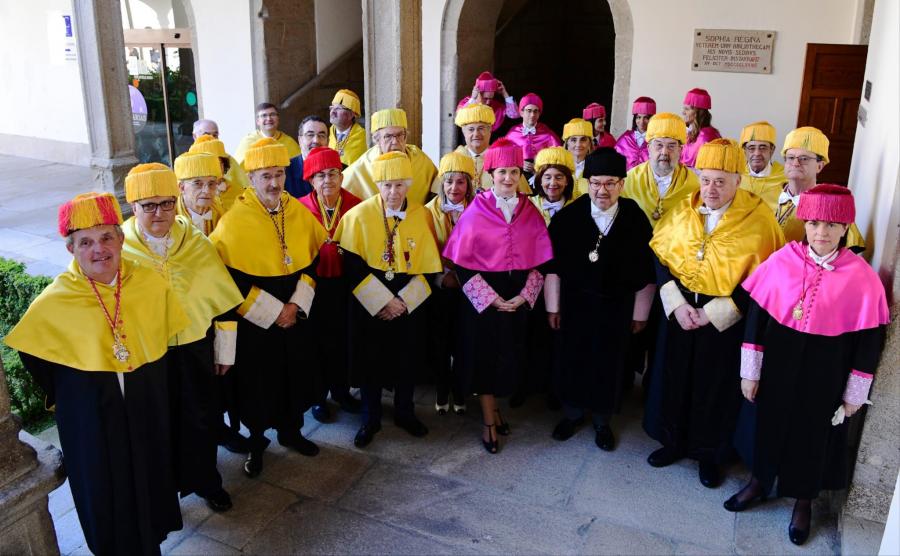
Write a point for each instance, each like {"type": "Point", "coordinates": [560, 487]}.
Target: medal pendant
{"type": "Point", "coordinates": [120, 352]}
{"type": "Point", "coordinates": [389, 275]}
{"type": "Point", "coordinates": [656, 215]}
{"type": "Point", "coordinates": [386, 257]}
{"type": "Point", "coordinates": [797, 313]}
{"type": "Point", "coordinates": [287, 260]}
{"type": "Point", "coordinates": [700, 254]}
{"type": "Point", "coordinates": [593, 256]}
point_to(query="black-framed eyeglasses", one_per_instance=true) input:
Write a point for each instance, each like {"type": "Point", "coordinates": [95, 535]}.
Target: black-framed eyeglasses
{"type": "Point", "coordinates": [150, 208]}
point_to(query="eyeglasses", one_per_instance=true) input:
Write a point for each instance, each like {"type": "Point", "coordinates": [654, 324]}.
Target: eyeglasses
{"type": "Point", "coordinates": [150, 208]}
{"type": "Point", "coordinates": [390, 138]}
{"type": "Point", "coordinates": [609, 185]}
{"type": "Point", "coordinates": [659, 146]}
{"type": "Point", "coordinates": [790, 159]}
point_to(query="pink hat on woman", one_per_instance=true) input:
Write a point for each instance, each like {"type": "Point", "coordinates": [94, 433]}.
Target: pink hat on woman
{"type": "Point", "coordinates": [593, 111]}
{"type": "Point", "coordinates": [698, 98]}
{"type": "Point", "coordinates": [827, 202]}
{"type": "Point", "coordinates": [531, 98]}
{"type": "Point", "coordinates": [643, 105]}
{"type": "Point", "coordinates": [486, 82]}
{"type": "Point", "coordinates": [503, 154]}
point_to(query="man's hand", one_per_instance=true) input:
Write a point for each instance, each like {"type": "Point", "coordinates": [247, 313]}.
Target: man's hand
{"type": "Point", "coordinates": [392, 310]}
{"type": "Point", "coordinates": [687, 317]}
{"type": "Point", "coordinates": [450, 280]}
{"type": "Point", "coordinates": [502, 89]}
{"type": "Point", "coordinates": [553, 320]}
{"type": "Point", "coordinates": [221, 369]}
{"type": "Point", "coordinates": [476, 95]}
{"type": "Point", "coordinates": [638, 325]}
{"type": "Point", "coordinates": [749, 388]}
{"type": "Point", "coordinates": [702, 318]}
{"type": "Point", "coordinates": [528, 166]}
{"type": "Point", "coordinates": [288, 316]}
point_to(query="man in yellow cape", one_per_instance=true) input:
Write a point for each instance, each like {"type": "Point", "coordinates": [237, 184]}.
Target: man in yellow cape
{"type": "Point", "coordinates": [267, 125]}
{"type": "Point", "coordinates": [389, 133]}
{"type": "Point", "coordinates": [96, 341]}
{"type": "Point", "coordinates": [182, 255]}
{"type": "Point", "coordinates": [345, 135]}
{"type": "Point", "coordinates": [235, 177]}
{"type": "Point", "coordinates": [763, 176]}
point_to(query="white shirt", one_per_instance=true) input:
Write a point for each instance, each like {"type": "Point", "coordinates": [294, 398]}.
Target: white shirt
{"type": "Point", "coordinates": [663, 183]}
{"type": "Point", "coordinates": [199, 220]}
{"type": "Point", "coordinates": [604, 218]}
{"type": "Point", "coordinates": [785, 197]}
{"type": "Point", "coordinates": [579, 169]}
{"type": "Point", "coordinates": [714, 215]}
{"type": "Point", "coordinates": [473, 154]}
{"type": "Point", "coordinates": [507, 206]}
{"type": "Point", "coordinates": [823, 261]}
{"type": "Point", "coordinates": [529, 130]}
{"type": "Point", "coordinates": [159, 245]}
{"type": "Point", "coordinates": [639, 138]}
{"type": "Point", "coordinates": [552, 206]}
{"type": "Point", "coordinates": [766, 171]}
{"type": "Point", "coordinates": [341, 135]}
{"type": "Point", "coordinates": [452, 207]}
{"type": "Point", "coordinates": [389, 212]}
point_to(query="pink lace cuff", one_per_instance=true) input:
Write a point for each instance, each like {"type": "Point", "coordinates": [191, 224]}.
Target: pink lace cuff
{"type": "Point", "coordinates": [857, 391]}
{"type": "Point", "coordinates": [532, 287]}
{"type": "Point", "coordinates": [479, 292]}
{"type": "Point", "coordinates": [751, 361]}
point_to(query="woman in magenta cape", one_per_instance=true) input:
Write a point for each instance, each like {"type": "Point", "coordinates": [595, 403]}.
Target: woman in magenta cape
{"type": "Point", "coordinates": [632, 144]}
{"type": "Point", "coordinates": [814, 335]}
{"type": "Point", "coordinates": [697, 104]}
{"type": "Point", "coordinates": [498, 245]}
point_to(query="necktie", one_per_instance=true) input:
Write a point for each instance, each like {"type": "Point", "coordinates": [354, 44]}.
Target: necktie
{"type": "Point", "coordinates": [452, 207]}
{"type": "Point", "coordinates": [551, 207]}
{"type": "Point", "coordinates": [784, 197]}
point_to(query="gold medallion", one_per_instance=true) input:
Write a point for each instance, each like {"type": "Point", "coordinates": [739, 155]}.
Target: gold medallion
{"type": "Point", "coordinates": [120, 352]}
{"type": "Point", "coordinates": [797, 313]}
{"type": "Point", "coordinates": [287, 260]}
{"type": "Point", "coordinates": [389, 275]}
{"type": "Point", "coordinates": [593, 256]}
{"type": "Point", "coordinates": [656, 215]}
{"type": "Point", "coordinates": [700, 254]}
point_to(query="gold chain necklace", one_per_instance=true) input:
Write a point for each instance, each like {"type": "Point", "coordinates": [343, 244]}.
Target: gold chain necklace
{"type": "Point", "coordinates": [280, 232]}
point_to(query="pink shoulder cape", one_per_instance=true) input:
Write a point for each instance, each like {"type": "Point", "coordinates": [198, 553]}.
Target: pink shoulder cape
{"type": "Point", "coordinates": [483, 241]}
{"type": "Point", "coordinates": [689, 152]}
{"type": "Point", "coordinates": [627, 146]}
{"type": "Point", "coordinates": [532, 144]}
{"type": "Point", "coordinates": [846, 299]}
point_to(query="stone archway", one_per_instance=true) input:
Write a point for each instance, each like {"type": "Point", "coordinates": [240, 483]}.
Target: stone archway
{"type": "Point", "coordinates": [468, 31]}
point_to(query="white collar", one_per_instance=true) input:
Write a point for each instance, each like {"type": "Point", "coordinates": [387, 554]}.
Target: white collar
{"type": "Point", "coordinates": [195, 216]}
{"type": "Point", "coordinates": [554, 206]}
{"type": "Point", "coordinates": [786, 197]}
{"type": "Point", "coordinates": [473, 154]}
{"type": "Point", "coordinates": [389, 212]}
{"type": "Point", "coordinates": [598, 212]}
{"type": "Point", "coordinates": [159, 245]}
{"type": "Point", "coordinates": [447, 206]}
{"type": "Point", "coordinates": [529, 130]}
{"type": "Point", "coordinates": [823, 261]}
{"type": "Point", "coordinates": [766, 171]}
{"type": "Point", "coordinates": [662, 181]}
{"type": "Point", "coordinates": [713, 216]}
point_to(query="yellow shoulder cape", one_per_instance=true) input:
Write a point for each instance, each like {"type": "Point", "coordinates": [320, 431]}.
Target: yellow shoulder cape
{"type": "Point", "coordinates": [247, 240]}
{"type": "Point", "coordinates": [767, 188]}
{"type": "Point", "coordinates": [361, 231]}
{"type": "Point", "coordinates": [354, 145]}
{"type": "Point", "coordinates": [442, 225]}
{"type": "Point", "coordinates": [66, 325]}
{"type": "Point", "coordinates": [641, 187]}
{"type": "Point", "coordinates": [358, 176]}
{"type": "Point", "coordinates": [194, 272]}
{"type": "Point", "coordinates": [744, 238]}
{"type": "Point", "coordinates": [236, 179]}
{"type": "Point", "coordinates": [254, 136]}
{"type": "Point", "coordinates": [208, 225]}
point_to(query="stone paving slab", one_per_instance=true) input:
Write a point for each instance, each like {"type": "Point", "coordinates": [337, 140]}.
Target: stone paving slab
{"type": "Point", "coordinates": [763, 530]}
{"type": "Point", "coordinates": [255, 505]}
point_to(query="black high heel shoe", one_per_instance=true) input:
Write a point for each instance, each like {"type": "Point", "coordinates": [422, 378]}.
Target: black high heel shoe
{"type": "Point", "coordinates": [492, 446]}
{"type": "Point", "coordinates": [797, 533]}
{"type": "Point", "coordinates": [735, 504]}
{"type": "Point", "coordinates": [502, 426]}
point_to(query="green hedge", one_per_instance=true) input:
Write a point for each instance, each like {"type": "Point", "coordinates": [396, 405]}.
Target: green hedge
{"type": "Point", "coordinates": [17, 290]}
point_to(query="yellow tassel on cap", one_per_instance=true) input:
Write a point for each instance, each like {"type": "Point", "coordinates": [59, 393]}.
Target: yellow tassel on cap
{"type": "Point", "coordinates": [577, 127]}
{"type": "Point", "coordinates": [209, 145]}
{"type": "Point", "coordinates": [392, 166]}
{"type": "Point", "coordinates": [721, 154]}
{"type": "Point", "coordinates": [390, 117]}
{"type": "Point", "coordinates": [758, 131]}
{"type": "Point", "coordinates": [348, 99]}
{"type": "Point", "coordinates": [809, 139]}
{"type": "Point", "coordinates": [666, 124]}
{"type": "Point", "coordinates": [266, 153]}
{"type": "Point", "coordinates": [151, 180]}
{"type": "Point", "coordinates": [197, 165]}
{"type": "Point", "coordinates": [554, 155]}
{"type": "Point", "coordinates": [457, 162]}
{"type": "Point", "coordinates": [474, 114]}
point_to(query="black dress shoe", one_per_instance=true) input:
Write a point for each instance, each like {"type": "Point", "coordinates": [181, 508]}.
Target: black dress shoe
{"type": "Point", "coordinates": [350, 405]}
{"type": "Point", "coordinates": [604, 439]}
{"type": "Point", "coordinates": [798, 536]}
{"type": "Point", "coordinates": [321, 413]}
{"type": "Point", "coordinates": [232, 441]}
{"type": "Point", "coordinates": [254, 464]}
{"type": "Point", "coordinates": [734, 504]}
{"type": "Point", "coordinates": [298, 442]}
{"type": "Point", "coordinates": [502, 426]}
{"type": "Point", "coordinates": [565, 429]}
{"type": "Point", "coordinates": [710, 476]}
{"type": "Point", "coordinates": [663, 457]}
{"type": "Point", "coordinates": [411, 425]}
{"type": "Point", "coordinates": [365, 434]}
{"type": "Point", "coordinates": [492, 446]}
{"type": "Point", "coordinates": [218, 501]}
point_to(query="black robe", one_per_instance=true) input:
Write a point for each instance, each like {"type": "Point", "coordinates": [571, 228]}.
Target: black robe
{"type": "Point", "coordinates": [801, 385]}
{"type": "Point", "coordinates": [195, 419]}
{"type": "Point", "coordinates": [117, 453]}
{"type": "Point", "coordinates": [597, 301]}
{"type": "Point", "coordinates": [493, 348]}
{"type": "Point", "coordinates": [384, 353]}
{"type": "Point", "coordinates": [699, 385]}
{"type": "Point", "coordinates": [328, 318]}
{"type": "Point", "coordinates": [276, 368]}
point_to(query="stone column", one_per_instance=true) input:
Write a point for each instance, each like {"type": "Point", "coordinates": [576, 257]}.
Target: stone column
{"type": "Point", "coordinates": [25, 480]}
{"type": "Point", "coordinates": [104, 76]}
{"type": "Point", "coordinates": [392, 60]}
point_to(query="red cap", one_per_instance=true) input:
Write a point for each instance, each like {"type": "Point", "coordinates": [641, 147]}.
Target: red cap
{"type": "Point", "coordinates": [698, 98]}
{"type": "Point", "coordinates": [827, 202]}
{"type": "Point", "coordinates": [486, 82]}
{"type": "Point", "coordinates": [503, 154]}
{"type": "Point", "coordinates": [531, 98]}
{"type": "Point", "coordinates": [320, 158]}
{"type": "Point", "coordinates": [593, 111]}
{"type": "Point", "coordinates": [643, 105]}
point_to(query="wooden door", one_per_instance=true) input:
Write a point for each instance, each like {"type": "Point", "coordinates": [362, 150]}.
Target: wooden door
{"type": "Point", "coordinates": [832, 85]}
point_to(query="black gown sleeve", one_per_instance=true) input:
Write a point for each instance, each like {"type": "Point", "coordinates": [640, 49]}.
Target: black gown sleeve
{"type": "Point", "coordinates": [867, 351]}
{"type": "Point", "coordinates": [755, 320]}
{"type": "Point", "coordinates": [42, 371]}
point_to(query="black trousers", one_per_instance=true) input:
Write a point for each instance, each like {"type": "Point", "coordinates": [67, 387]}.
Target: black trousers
{"type": "Point", "coordinates": [371, 397]}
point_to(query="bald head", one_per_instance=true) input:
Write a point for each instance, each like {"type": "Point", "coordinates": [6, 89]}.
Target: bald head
{"type": "Point", "coordinates": [206, 127]}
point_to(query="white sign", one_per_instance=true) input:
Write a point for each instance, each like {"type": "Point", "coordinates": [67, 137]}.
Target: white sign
{"type": "Point", "coordinates": [733, 50]}
{"type": "Point", "coordinates": [61, 38]}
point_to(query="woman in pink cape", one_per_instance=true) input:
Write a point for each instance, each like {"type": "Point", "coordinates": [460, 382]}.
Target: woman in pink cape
{"type": "Point", "coordinates": [814, 334]}
{"type": "Point", "coordinates": [497, 247]}
{"type": "Point", "coordinates": [697, 104]}
{"type": "Point", "coordinates": [632, 144]}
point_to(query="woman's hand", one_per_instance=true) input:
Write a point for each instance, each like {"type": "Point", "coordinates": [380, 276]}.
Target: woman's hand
{"type": "Point", "coordinates": [638, 326]}
{"type": "Point", "coordinates": [221, 369]}
{"type": "Point", "coordinates": [850, 409]}
{"type": "Point", "coordinates": [749, 388]}
{"type": "Point", "coordinates": [553, 320]}
{"type": "Point", "coordinates": [288, 316]}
